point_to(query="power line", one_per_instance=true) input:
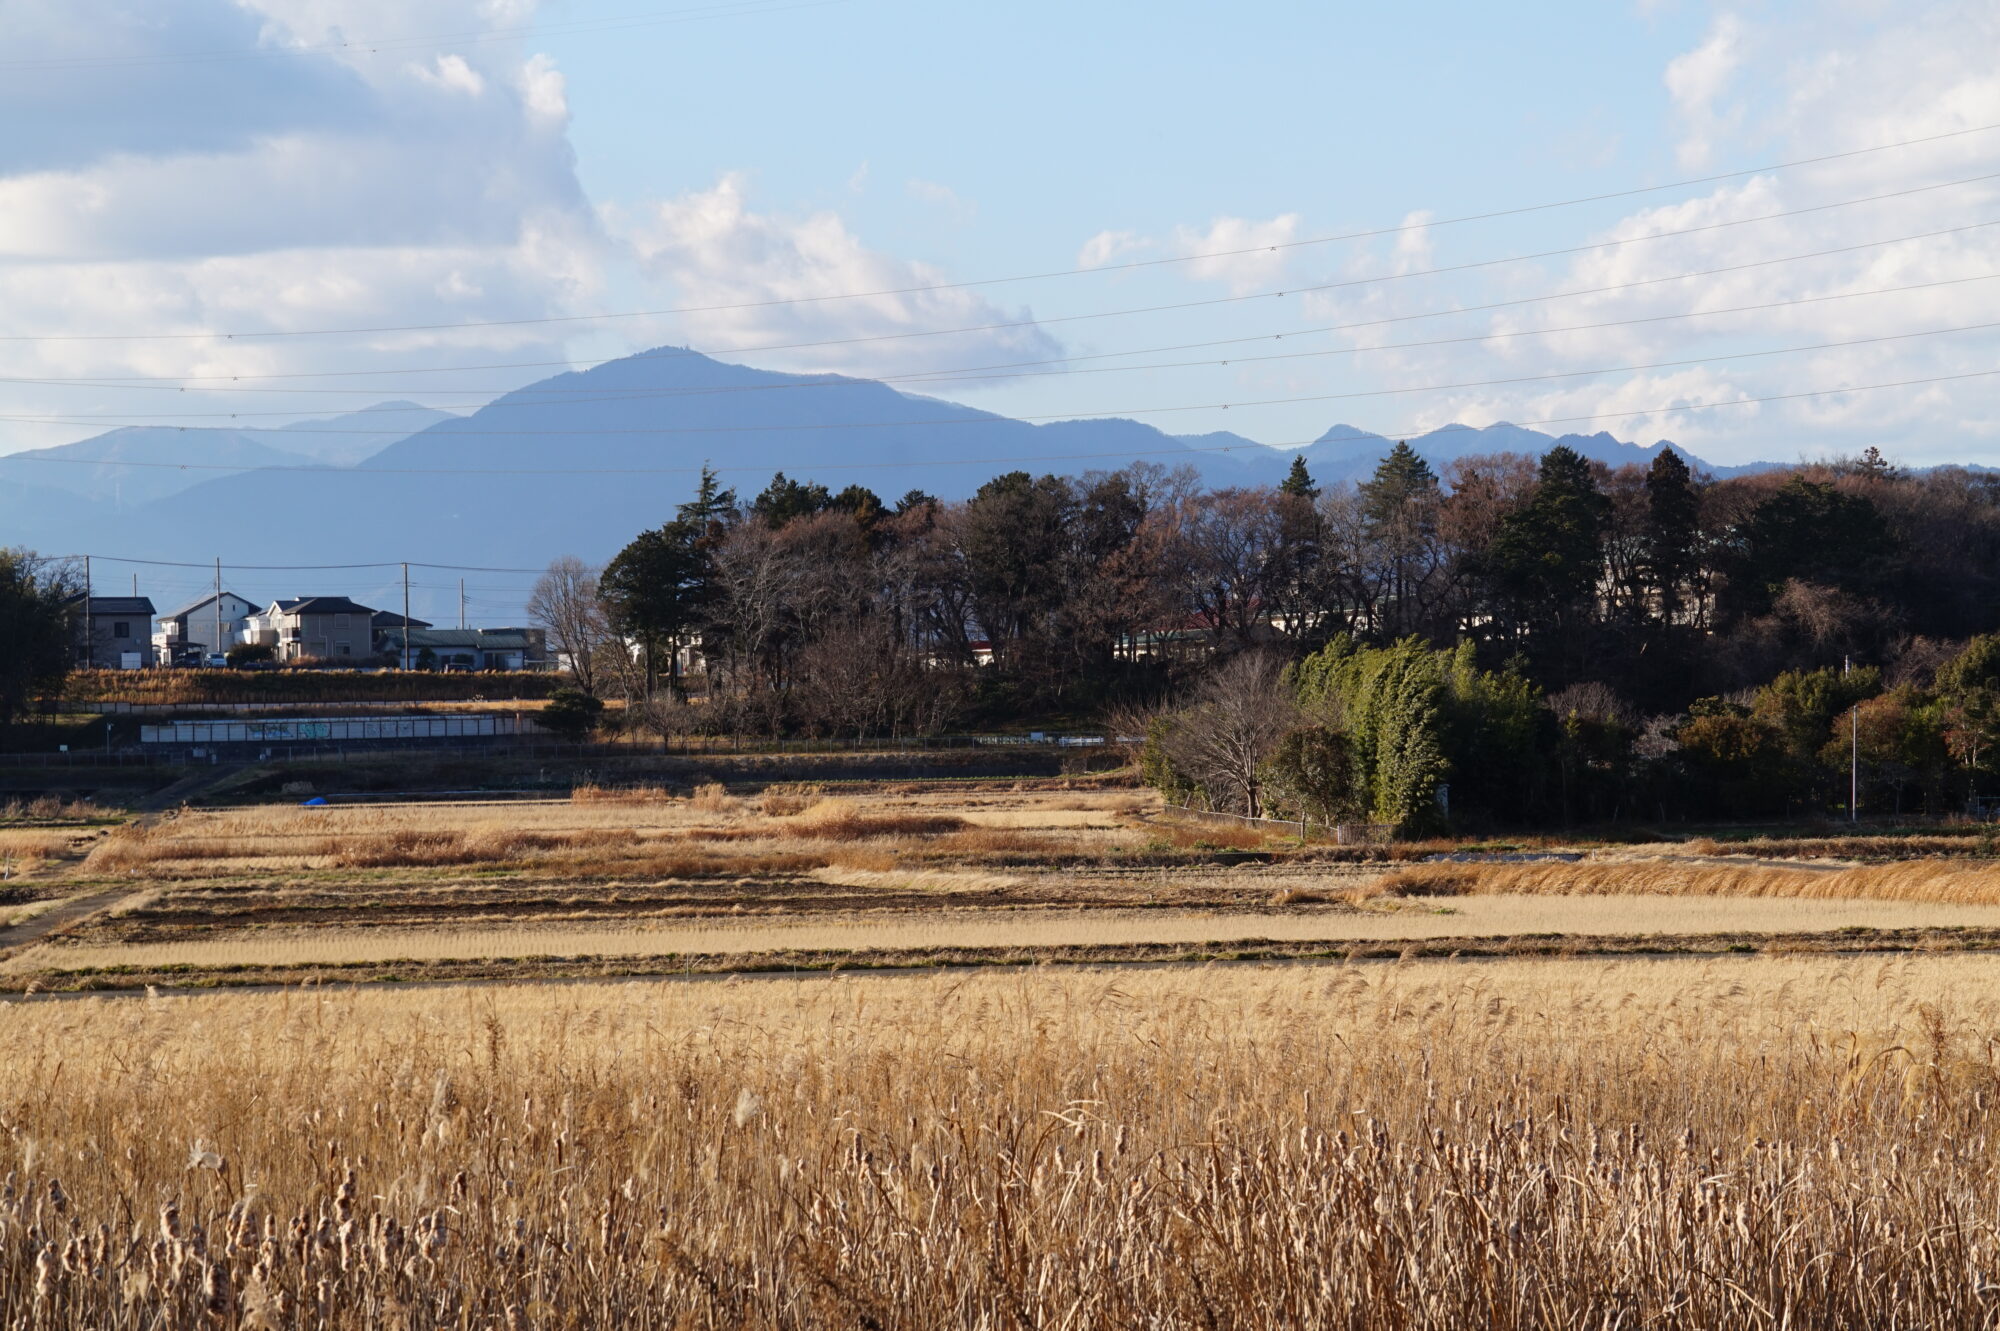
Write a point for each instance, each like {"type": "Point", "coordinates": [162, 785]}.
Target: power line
{"type": "Point", "coordinates": [984, 420]}
{"type": "Point", "coordinates": [306, 568]}
{"type": "Point", "coordinates": [639, 395]}
{"type": "Point", "coordinates": [1180, 451]}
{"type": "Point", "coordinates": [247, 335]}
{"type": "Point", "coordinates": [174, 382]}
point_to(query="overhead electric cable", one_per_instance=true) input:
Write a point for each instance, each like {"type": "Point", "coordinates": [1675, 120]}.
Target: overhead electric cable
{"type": "Point", "coordinates": [512, 400]}
{"type": "Point", "coordinates": [253, 335]}
{"type": "Point", "coordinates": [175, 382]}
{"type": "Point", "coordinates": [985, 420]}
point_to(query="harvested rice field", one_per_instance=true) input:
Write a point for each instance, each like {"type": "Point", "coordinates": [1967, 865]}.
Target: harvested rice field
{"type": "Point", "coordinates": [905, 931]}
{"type": "Point", "coordinates": [653, 880]}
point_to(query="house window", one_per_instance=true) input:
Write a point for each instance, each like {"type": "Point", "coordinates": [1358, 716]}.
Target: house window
{"type": "Point", "coordinates": [341, 649]}
{"type": "Point", "coordinates": [121, 629]}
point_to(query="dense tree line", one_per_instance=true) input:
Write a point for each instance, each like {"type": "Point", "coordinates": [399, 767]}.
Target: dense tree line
{"type": "Point", "coordinates": [1642, 640]}
{"type": "Point", "coordinates": [35, 628]}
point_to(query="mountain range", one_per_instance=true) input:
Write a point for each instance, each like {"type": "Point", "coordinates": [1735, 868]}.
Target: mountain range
{"type": "Point", "coordinates": [579, 463]}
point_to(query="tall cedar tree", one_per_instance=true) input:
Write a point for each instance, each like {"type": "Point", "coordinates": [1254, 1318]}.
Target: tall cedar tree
{"type": "Point", "coordinates": [1399, 508]}
{"type": "Point", "coordinates": [1672, 533]}
{"type": "Point", "coordinates": [1298, 481]}
{"type": "Point", "coordinates": [660, 587]}
{"type": "Point", "coordinates": [1547, 559]}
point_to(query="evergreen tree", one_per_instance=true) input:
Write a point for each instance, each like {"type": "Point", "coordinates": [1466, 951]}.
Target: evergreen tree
{"type": "Point", "coordinates": [1872, 466]}
{"type": "Point", "coordinates": [1299, 482]}
{"type": "Point", "coordinates": [35, 629]}
{"type": "Point", "coordinates": [860, 503]}
{"type": "Point", "coordinates": [659, 588]}
{"type": "Point", "coordinates": [1813, 532]}
{"type": "Point", "coordinates": [1399, 512]}
{"type": "Point", "coordinates": [1400, 477]}
{"type": "Point", "coordinates": [1672, 533]}
{"type": "Point", "coordinates": [1549, 554]}
{"type": "Point", "coordinates": [712, 505]}
{"type": "Point", "coordinates": [784, 501]}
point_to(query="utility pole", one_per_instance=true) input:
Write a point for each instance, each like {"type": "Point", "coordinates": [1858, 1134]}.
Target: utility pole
{"type": "Point", "coordinates": [461, 604]}
{"type": "Point", "coordinates": [1853, 750]}
{"type": "Point", "coordinates": [89, 628]}
{"type": "Point", "coordinates": [406, 616]}
{"type": "Point", "coordinates": [218, 608]}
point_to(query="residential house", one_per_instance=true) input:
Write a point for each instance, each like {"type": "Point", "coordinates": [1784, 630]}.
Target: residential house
{"type": "Point", "coordinates": [384, 621]}
{"type": "Point", "coordinates": [469, 649]}
{"type": "Point", "coordinates": [112, 632]}
{"type": "Point", "coordinates": [316, 628]}
{"type": "Point", "coordinates": [202, 628]}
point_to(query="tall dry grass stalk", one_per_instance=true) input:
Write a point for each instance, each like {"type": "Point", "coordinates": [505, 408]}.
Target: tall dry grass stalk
{"type": "Point", "coordinates": [595, 794]}
{"type": "Point", "coordinates": [1761, 1143]}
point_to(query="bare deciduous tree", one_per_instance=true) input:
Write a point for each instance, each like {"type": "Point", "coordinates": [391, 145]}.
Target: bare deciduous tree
{"type": "Point", "coordinates": [1222, 741]}
{"type": "Point", "coordinates": [567, 603]}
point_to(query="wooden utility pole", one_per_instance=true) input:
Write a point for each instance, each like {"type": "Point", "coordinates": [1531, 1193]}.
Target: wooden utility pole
{"type": "Point", "coordinates": [1853, 751]}
{"type": "Point", "coordinates": [89, 627]}
{"type": "Point", "coordinates": [406, 616]}
{"type": "Point", "coordinates": [218, 609]}
{"type": "Point", "coordinates": [461, 604]}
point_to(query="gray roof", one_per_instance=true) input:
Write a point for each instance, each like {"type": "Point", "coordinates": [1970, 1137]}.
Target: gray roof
{"type": "Point", "coordinates": [486, 640]}
{"type": "Point", "coordinates": [323, 605]}
{"type": "Point", "coordinates": [117, 605]}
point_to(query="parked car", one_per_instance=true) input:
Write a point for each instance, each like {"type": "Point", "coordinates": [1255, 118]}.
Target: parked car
{"type": "Point", "coordinates": [217, 661]}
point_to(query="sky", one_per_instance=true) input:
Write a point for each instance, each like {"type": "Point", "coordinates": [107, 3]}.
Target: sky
{"type": "Point", "coordinates": [222, 205]}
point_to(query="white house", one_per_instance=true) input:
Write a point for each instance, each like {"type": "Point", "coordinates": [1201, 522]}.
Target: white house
{"type": "Point", "coordinates": [202, 628]}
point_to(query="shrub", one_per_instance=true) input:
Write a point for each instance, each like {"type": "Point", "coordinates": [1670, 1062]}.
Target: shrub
{"type": "Point", "coordinates": [571, 715]}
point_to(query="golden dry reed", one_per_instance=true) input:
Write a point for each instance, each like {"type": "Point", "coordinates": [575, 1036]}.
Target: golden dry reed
{"type": "Point", "coordinates": [1767, 1142]}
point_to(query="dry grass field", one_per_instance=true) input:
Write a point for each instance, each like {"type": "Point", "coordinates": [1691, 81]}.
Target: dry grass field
{"type": "Point", "coordinates": [1535, 1132]}
{"type": "Point", "coordinates": [1738, 1143]}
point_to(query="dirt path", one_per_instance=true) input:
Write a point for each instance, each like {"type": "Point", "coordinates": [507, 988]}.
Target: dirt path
{"type": "Point", "coordinates": [69, 912]}
{"type": "Point", "coordinates": [32, 931]}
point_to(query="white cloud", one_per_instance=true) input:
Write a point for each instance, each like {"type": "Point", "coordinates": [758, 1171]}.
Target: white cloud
{"type": "Point", "coordinates": [544, 90]}
{"type": "Point", "coordinates": [1242, 253]}
{"type": "Point", "coordinates": [1793, 92]}
{"type": "Point", "coordinates": [960, 210]}
{"type": "Point", "coordinates": [1107, 246]}
{"type": "Point", "coordinates": [451, 72]}
{"type": "Point", "coordinates": [328, 188]}
{"type": "Point", "coordinates": [1239, 252]}
{"type": "Point", "coordinates": [1697, 81]}
{"type": "Point", "coordinates": [776, 271]}
{"type": "Point", "coordinates": [1414, 251]}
